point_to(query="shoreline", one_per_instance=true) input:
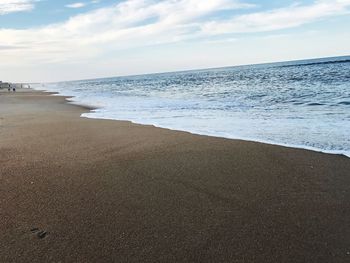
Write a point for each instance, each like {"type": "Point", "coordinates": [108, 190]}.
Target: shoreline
{"type": "Point", "coordinates": [91, 108]}
{"type": "Point", "coordinates": [292, 146]}
{"type": "Point", "coordinates": [107, 190]}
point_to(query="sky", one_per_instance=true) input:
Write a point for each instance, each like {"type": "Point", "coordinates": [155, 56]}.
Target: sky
{"type": "Point", "coordinates": [50, 40]}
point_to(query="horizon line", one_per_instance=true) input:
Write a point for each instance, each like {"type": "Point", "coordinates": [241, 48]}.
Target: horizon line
{"type": "Point", "coordinates": [185, 70]}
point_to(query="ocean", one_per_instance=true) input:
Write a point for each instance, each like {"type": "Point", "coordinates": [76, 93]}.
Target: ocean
{"type": "Point", "coordinates": [302, 104]}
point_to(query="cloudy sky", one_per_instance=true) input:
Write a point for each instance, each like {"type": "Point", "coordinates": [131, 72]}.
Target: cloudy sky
{"type": "Point", "coordinates": [50, 40]}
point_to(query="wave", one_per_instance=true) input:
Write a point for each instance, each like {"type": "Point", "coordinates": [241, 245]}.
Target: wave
{"type": "Point", "coordinates": [300, 107]}
{"type": "Point", "coordinates": [341, 61]}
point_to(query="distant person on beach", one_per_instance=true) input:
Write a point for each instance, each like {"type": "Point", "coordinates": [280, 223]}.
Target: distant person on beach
{"type": "Point", "coordinates": [9, 89]}
{"type": "Point", "coordinates": [14, 89]}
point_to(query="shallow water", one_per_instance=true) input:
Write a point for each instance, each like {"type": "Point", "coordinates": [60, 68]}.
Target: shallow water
{"type": "Point", "coordinates": [302, 104]}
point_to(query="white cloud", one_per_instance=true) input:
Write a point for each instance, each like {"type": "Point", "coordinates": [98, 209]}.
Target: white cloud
{"type": "Point", "coordinates": [89, 37]}
{"type": "Point", "coordinates": [288, 17]}
{"type": "Point", "coordinates": [129, 24]}
{"type": "Point", "coordinates": [76, 5]}
{"type": "Point", "coordinates": [12, 6]}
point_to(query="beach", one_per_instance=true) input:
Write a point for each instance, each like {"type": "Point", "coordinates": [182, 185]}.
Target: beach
{"type": "Point", "coordinates": [75, 189]}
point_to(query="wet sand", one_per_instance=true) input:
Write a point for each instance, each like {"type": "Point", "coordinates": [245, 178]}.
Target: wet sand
{"type": "Point", "coordinates": [81, 190]}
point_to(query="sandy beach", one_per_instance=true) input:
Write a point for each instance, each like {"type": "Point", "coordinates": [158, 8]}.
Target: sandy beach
{"type": "Point", "coordinates": [74, 189]}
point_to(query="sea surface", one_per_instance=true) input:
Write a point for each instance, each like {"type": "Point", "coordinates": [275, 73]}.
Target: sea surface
{"type": "Point", "coordinates": [303, 104]}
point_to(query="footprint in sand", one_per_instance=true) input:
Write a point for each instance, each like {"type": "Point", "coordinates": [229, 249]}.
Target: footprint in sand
{"type": "Point", "coordinates": [39, 233]}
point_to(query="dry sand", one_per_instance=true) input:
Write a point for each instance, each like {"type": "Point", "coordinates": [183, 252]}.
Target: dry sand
{"type": "Point", "coordinates": [113, 191]}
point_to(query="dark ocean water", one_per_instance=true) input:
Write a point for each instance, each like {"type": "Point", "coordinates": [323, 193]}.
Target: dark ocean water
{"type": "Point", "coordinates": [300, 104]}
